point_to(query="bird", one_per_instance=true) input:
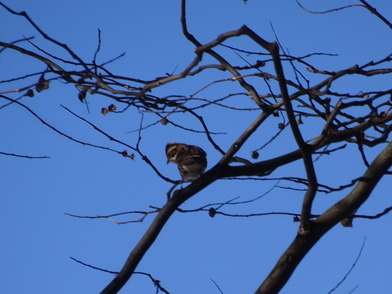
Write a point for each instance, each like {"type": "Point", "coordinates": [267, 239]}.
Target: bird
{"type": "Point", "coordinates": [191, 160]}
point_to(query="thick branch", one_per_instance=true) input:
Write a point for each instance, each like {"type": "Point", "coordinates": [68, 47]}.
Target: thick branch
{"type": "Point", "coordinates": [303, 243]}
{"type": "Point", "coordinates": [306, 150]}
{"type": "Point", "coordinates": [155, 228]}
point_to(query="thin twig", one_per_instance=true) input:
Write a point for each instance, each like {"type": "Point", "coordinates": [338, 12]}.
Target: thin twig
{"type": "Point", "coordinates": [23, 156]}
{"type": "Point", "coordinates": [17, 41]}
{"type": "Point", "coordinates": [375, 12]}
{"type": "Point", "coordinates": [156, 282]}
{"type": "Point", "coordinates": [111, 138]}
{"type": "Point", "coordinates": [330, 10]}
{"type": "Point", "coordinates": [351, 268]}
{"type": "Point", "coordinates": [220, 290]}
{"type": "Point", "coordinates": [56, 130]}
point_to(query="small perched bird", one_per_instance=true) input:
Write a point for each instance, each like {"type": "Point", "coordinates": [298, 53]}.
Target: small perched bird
{"type": "Point", "coordinates": [191, 160]}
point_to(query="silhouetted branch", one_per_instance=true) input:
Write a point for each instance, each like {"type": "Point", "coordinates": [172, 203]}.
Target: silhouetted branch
{"type": "Point", "coordinates": [330, 10]}
{"type": "Point", "coordinates": [207, 48]}
{"type": "Point", "coordinates": [97, 51]}
{"type": "Point", "coordinates": [357, 116]}
{"type": "Point", "coordinates": [215, 208]}
{"type": "Point", "coordinates": [327, 220]}
{"type": "Point", "coordinates": [23, 156]}
{"type": "Point", "coordinates": [351, 268]}
{"type": "Point", "coordinates": [378, 215]}
{"type": "Point", "coordinates": [156, 282]}
{"type": "Point", "coordinates": [281, 127]}
{"type": "Point", "coordinates": [304, 148]}
{"type": "Point", "coordinates": [56, 130]}
{"type": "Point", "coordinates": [43, 34]}
{"type": "Point", "coordinates": [110, 217]}
{"type": "Point", "coordinates": [207, 132]}
{"type": "Point", "coordinates": [17, 41]}
{"type": "Point", "coordinates": [375, 12]}
{"type": "Point", "coordinates": [220, 290]}
{"type": "Point", "coordinates": [136, 149]}
{"type": "Point", "coordinates": [214, 212]}
{"type": "Point", "coordinates": [93, 267]}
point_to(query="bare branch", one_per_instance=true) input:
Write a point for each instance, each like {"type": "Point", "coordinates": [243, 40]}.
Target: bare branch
{"type": "Point", "coordinates": [17, 41]}
{"type": "Point", "coordinates": [56, 130]}
{"type": "Point", "coordinates": [156, 282]}
{"type": "Point", "coordinates": [343, 208]}
{"type": "Point", "coordinates": [93, 267]}
{"type": "Point", "coordinates": [330, 10]}
{"type": "Point", "coordinates": [355, 116]}
{"type": "Point", "coordinates": [25, 15]}
{"type": "Point", "coordinates": [306, 152]}
{"type": "Point", "coordinates": [136, 149]}
{"type": "Point", "coordinates": [220, 290]}
{"type": "Point", "coordinates": [207, 48]}
{"type": "Point", "coordinates": [110, 217]}
{"type": "Point", "coordinates": [23, 156]}
{"type": "Point", "coordinates": [351, 268]}
{"type": "Point", "coordinates": [378, 215]}
{"type": "Point", "coordinates": [375, 12]}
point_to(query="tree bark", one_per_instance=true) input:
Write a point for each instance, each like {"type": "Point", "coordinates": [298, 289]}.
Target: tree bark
{"type": "Point", "coordinates": [302, 244]}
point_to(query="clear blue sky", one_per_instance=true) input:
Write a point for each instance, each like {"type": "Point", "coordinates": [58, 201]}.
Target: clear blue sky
{"type": "Point", "coordinates": [37, 238]}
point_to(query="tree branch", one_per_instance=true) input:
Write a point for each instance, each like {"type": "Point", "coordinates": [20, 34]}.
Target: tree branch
{"type": "Point", "coordinates": [375, 12]}
{"type": "Point", "coordinates": [305, 149]}
{"type": "Point", "coordinates": [302, 244]}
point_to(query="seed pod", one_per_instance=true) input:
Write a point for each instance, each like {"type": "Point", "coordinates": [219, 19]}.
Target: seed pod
{"type": "Point", "coordinates": [30, 93]}
{"type": "Point", "coordinates": [112, 107]}
{"type": "Point", "coordinates": [82, 94]}
{"type": "Point", "coordinates": [212, 212]}
{"type": "Point", "coordinates": [42, 84]}
{"type": "Point", "coordinates": [164, 121]}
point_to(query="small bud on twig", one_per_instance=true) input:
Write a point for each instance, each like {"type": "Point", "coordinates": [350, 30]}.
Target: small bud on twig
{"type": "Point", "coordinates": [42, 84]}
{"type": "Point", "coordinates": [255, 154]}
{"type": "Point", "coordinates": [164, 121]}
{"type": "Point", "coordinates": [112, 107]}
{"type": "Point", "coordinates": [30, 93]}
